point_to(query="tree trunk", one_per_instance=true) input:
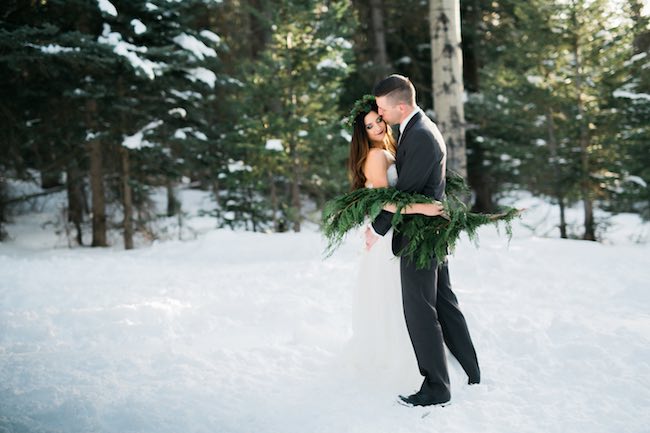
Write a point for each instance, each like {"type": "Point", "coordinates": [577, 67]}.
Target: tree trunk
{"type": "Point", "coordinates": [471, 13]}
{"type": "Point", "coordinates": [641, 41]}
{"type": "Point", "coordinates": [295, 186]}
{"type": "Point", "coordinates": [96, 179]}
{"type": "Point", "coordinates": [259, 27]}
{"type": "Point", "coordinates": [172, 203]}
{"type": "Point", "coordinates": [480, 181]}
{"type": "Point", "coordinates": [557, 176]}
{"type": "Point", "coordinates": [379, 36]}
{"type": "Point", "coordinates": [274, 202]}
{"type": "Point", "coordinates": [478, 175]}
{"type": "Point", "coordinates": [127, 199]}
{"type": "Point", "coordinates": [3, 198]}
{"type": "Point", "coordinates": [447, 79]}
{"type": "Point", "coordinates": [294, 156]}
{"type": "Point", "coordinates": [75, 199]}
{"type": "Point", "coordinates": [584, 141]}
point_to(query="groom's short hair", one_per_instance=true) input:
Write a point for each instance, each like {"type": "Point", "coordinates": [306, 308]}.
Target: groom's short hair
{"type": "Point", "coordinates": [398, 88]}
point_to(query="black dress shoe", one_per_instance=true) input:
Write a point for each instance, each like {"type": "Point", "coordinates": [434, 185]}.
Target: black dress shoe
{"type": "Point", "coordinates": [422, 399]}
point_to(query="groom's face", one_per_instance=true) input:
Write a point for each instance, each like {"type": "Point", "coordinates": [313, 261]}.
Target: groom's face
{"type": "Point", "coordinates": [389, 110]}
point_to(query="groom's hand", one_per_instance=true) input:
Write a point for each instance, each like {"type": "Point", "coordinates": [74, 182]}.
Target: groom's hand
{"type": "Point", "coordinates": [371, 238]}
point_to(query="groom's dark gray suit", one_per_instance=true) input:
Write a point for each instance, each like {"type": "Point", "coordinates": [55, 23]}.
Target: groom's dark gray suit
{"type": "Point", "coordinates": [430, 306]}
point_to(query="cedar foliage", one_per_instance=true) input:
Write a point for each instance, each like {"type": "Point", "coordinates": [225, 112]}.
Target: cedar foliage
{"type": "Point", "coordinates": [429, 237]}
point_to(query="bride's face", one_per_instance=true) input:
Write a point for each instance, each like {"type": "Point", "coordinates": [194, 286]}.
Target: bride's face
{"type": "Point", "coordinates": [375, 127]}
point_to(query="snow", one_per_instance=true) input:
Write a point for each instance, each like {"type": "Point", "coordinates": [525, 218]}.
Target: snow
{"type": "Point", "coordinates": [129, 51]}
{"type": "Point", "coordinates": [619, 93]}
{"type": "Point", "coordinates": [54, 48]}
{"type": "Point", "coordinates": [636, 179]}
{"type": "Point", "coordinates": [535, 79]}
{"type": "Point", "coordinates": [200, 135]}
{"type": "Point", "coordinates": [211, 36]}
{"type": "Point", "coordinates": [138, 26]}
{"type": "Point", "coordinates": [234, 166]}
{"type": "Point", "coordinates": [186, 95]}
{"type": "Point", "coordinates": [193, 45]}
{"type": "Point", "coordinates": [136, 141]}
{"type": "Point", "coordinates": [201, 74]}
{"type": "Point", "coordinates": [107, 7]}
{"type": "Point", "coordinates": [246, 332]}
{"type": "Point", "coordinates": [178, 110]}
{"type": "Point", "coordinates": [332, 63]}
{"type": "Point", "coordinates": [337, 42]}
{"type": "Point", "coordinates": [274, 144]}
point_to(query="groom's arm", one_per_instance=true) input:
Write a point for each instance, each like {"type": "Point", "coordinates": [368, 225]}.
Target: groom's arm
{"type": "Point", "coordinates": [382, 224]}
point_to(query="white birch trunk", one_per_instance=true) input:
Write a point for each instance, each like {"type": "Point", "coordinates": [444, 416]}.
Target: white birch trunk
{"type": "Point", "coordinates": [447, 79]}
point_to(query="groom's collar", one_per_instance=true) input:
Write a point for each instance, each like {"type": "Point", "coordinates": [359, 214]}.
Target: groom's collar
{"type": "Point", "coordinates": [405, 122]}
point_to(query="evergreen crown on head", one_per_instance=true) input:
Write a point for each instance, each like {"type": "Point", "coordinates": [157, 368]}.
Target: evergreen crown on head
{"type": "Point", "coordinates": [362, 105]}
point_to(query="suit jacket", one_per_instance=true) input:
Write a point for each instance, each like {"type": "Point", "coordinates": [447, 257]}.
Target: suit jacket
{"type": "Point", "coordinates": [421, 161]}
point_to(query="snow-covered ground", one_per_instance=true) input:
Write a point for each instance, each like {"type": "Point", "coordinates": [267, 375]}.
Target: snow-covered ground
{"type": "Point", "coordinates": [245, 333]}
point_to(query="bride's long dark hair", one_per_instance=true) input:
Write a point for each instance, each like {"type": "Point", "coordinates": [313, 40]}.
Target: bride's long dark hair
{"type": "Point", "coordinates": [360, 146]}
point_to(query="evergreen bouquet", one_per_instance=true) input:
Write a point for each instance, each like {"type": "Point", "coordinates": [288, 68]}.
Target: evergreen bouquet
{"type": "Point", "coordinates": [429, 237]}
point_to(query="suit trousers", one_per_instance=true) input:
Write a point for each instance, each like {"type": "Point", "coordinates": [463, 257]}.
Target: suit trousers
{"type": "Point", "coordinates": [433, 317]}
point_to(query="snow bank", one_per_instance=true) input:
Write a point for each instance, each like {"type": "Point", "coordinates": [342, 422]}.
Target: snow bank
{"type": "Point", "coordinates": [246, 332]}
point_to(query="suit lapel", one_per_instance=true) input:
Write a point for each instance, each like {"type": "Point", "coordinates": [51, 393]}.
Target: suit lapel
{"type": "Point", "coordinates": [401, 149]}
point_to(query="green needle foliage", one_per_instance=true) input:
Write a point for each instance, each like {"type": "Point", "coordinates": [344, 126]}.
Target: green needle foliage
{"type": "Point", "coordinates": [429, 237]}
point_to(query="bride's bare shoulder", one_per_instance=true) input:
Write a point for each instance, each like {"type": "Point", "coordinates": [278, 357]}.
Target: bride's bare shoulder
{"type": "Point", "coordinates": [377, 157]}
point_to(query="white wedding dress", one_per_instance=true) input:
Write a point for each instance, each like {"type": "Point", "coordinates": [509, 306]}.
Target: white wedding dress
{"type": "Point", "coordinates": [380, 344]}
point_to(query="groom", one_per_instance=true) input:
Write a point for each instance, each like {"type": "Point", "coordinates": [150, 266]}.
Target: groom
{"type": "Point", "coordinates": [430, 306]}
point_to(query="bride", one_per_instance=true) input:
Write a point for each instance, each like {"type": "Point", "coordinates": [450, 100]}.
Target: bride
{"type": "Point", "coordinates": [380, 340]}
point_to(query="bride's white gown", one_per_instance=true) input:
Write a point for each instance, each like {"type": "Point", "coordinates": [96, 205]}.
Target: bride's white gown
{"type": "Point", "coordinates": [380, 344]}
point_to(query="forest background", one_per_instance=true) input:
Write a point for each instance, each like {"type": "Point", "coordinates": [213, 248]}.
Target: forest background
{"type": "Point", "coordinates": [111, 101]}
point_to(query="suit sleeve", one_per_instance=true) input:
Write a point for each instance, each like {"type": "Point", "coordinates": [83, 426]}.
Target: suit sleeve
{"type": "Point", "coordinates": [382, 224]}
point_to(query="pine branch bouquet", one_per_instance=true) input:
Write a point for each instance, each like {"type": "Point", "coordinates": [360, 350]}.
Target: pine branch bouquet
{"type": "Point", "coordinates": [429, 236]}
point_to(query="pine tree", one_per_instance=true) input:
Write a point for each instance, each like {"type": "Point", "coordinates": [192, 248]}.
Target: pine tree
{"type": "Point", "coordinates": [105, 71]}
{"type": "Point", "coordinates": [288, 123]}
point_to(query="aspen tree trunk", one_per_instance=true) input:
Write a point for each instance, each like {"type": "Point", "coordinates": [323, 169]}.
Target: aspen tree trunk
{"type": "Point", "coordinates": [584, 139]}
{"type": "Point", "coordinates": [379, 33]}
{"type": "Point", "coordinates": [447, 79]}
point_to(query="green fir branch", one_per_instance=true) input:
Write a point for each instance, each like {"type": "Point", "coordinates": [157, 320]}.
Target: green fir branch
{"type": "Point", "coordinates": [429, 237]}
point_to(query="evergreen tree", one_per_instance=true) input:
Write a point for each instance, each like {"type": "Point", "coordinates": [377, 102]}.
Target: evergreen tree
{"type": "Point", "coordinates": [287, 132]}
{"type": "Point", "coordinates": [99, 73]}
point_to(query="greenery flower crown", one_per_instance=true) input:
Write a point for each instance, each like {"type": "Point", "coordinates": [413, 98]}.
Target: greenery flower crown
{"type": "Point", "coordinates": [363, 105]}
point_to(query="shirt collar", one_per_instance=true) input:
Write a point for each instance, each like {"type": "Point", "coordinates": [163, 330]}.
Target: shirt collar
{"type": "Point", "coordinates": [406, 121]}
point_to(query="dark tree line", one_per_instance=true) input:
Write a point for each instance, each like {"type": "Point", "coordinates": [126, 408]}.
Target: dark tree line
{"type": "Point", "coordinates": [245, 99]}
